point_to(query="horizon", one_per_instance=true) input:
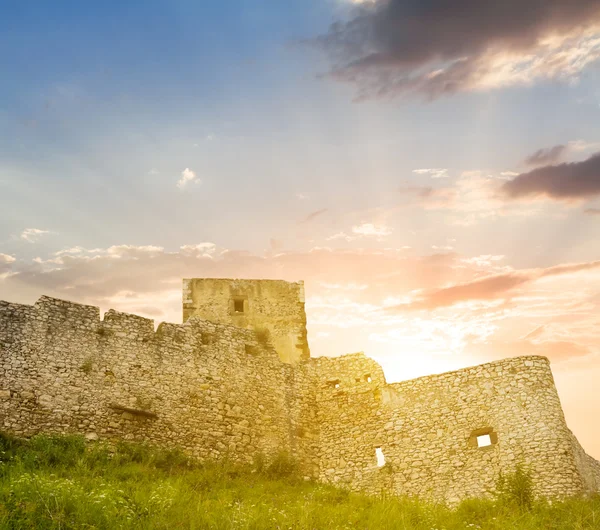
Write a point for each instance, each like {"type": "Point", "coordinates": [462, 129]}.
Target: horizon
{"type": "Point", "coordinates": [432, 174]}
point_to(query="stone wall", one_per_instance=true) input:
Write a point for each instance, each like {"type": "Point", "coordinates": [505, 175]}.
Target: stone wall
{"type": "Point", "coordinates": [587, 467]}
{"type": "Point", "coordinates": [211, 389]}
{"type": "Point", "coordinates": [427, 430]}
{"type": "Point", "coordinates": [217, 390]}
{"type": "Point", "coordinates": [273, 305]}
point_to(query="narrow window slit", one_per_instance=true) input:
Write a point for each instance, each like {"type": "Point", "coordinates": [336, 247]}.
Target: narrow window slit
{"type": "Point", "coordinates": [380, 457]}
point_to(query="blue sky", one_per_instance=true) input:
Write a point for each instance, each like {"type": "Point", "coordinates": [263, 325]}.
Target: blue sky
{"type": "Point", "coordinates": [143, 142]}
{"type": "Point", "coordinates": [101, 94]}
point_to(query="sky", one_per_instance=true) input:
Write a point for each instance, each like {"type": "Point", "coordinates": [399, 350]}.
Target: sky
{"type": "Point", "coordinates": [431, 169]}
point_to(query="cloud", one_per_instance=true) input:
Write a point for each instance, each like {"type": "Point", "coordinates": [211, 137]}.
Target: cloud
{"type": "Point", "coordinates": [550, 155]}
{"type": "Point", "coordinates": [485, 260]}
{"type": "Point", "coordinates": [133, 251]}
{"type": "Point", "coordinates": [553, 155]}
{"type": "Point", "coordinates": [592, 211]}
{"type": "Point", "coordinates": [431, 198]}
{"type": "Point", "coordinates": [435, 173]}
{"type": "Point", "coordinates": [489, 288]}
{"type": "Point", "coordinates": [187, 176]}
{"type": "Point", "coordinates": [372, 230]}
{"type": "Point", "coordinates": [389, 48]}
{"type": "Point", "coordinates": [341, 235]}
{"type": "Point", "coordinates": [31, 235]}
{"type": "Point", "coordinates": [535, 333]}
{"type": "Point", "coordinates": [378, 231]}
{"type": "Point", "coordinates": [484, 289]}
{"type": "Point", "coordinates": [276, 244]}
{"type": "Point", "coordinates": [471, 198]}
{"type": "Point", "coordinates": [6, 262]}
{"type": "Point", "coordinates": [313, 215]}
{"type": "Point", "coordinates": [352, 295]}
{"type": "Point", "coordinates": [101, 276]}
{"type": "Point", "coordinates": [582, 145]}
{"type": "Point", "coordinates": [569, 181]}
{"type": "Point", "coordinates": [206, 249]}
{"type": "Point", "coordinates": [556, 350]}
{"type": "Point", "coordinates": [569, 268]}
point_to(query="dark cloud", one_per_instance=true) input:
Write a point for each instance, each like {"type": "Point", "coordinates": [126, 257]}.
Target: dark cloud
{"type": "Point", "coordinates": [576, 180]}
{"type": "Point", "coordinates": [544, 157]}
{"type": "Point", "coordinates": [437, 47]}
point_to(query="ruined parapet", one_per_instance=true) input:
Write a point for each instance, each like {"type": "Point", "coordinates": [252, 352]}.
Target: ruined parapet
{"type": "Point", "coordinates": [448, 436]}
{"type": "Point", "coordinates": [273, 308]}
{"type": "Point", "coordinates": [467, 426]}
{"type": "Point", "coordinates": [348, 396]}
{"type": "Point", "coordinates": [214, 390]}
{"type": "Point", "coordinates": [219, 389]}
{"type": "Point", "coordinates": [588, 467]}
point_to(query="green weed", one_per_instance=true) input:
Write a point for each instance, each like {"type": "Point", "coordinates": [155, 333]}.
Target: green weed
{"type": "Point", "coordinates": [60, 482]}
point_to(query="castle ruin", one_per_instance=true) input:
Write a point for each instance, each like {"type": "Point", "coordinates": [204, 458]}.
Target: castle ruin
{"type": "Point", "coordinates": [236, 380]}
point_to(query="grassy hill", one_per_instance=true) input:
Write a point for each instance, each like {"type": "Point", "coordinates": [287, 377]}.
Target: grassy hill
{"type": "Point", "coordinates": [60, 482]}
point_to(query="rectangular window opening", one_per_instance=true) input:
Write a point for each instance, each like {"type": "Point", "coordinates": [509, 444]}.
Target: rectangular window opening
{"type": "Point", "coordinates": [484, 440]}
{"type": "Point", "coordinates": [238, 306]}
{"type": "Point", "coordinates": [380, 457]}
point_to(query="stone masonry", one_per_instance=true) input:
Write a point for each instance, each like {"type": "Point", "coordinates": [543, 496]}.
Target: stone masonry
{"type": "Point", "coordinates": [220, 386]}
{"type": "Point", "coordinates": [262, 305]}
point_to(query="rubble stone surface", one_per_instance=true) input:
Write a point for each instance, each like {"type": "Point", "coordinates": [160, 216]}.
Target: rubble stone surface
{"type": "Point", "coordinates": [218, 390]}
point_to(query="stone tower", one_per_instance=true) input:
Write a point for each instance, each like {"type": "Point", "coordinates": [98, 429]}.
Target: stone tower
{"type": "Point", "coordinates": [273, 305]}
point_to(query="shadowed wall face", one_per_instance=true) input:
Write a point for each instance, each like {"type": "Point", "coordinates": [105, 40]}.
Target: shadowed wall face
{"type": "Point", "coordinates": [272, 308]}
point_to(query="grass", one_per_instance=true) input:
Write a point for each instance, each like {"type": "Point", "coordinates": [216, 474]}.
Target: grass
{"type": "Point", "coordinates": [87, 365]}
{"type": "Point", "coordinates": [63, 483]}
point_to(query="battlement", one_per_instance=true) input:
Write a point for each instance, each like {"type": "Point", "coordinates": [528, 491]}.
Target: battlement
{"type": "Point", "coordinates": [11, 314]}
{"type": "Point", "coordinates": [57, 314]}
{"type": "Point", "coordinates": [229, 382]}
{"type": "Point", "coordinates": [127, 325]}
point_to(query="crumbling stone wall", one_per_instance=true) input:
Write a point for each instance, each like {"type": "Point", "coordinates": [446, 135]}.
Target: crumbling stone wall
{"type": "Point", "coordinates": [427, 429]}
{"type": "Point", "coordinates": [587, 467]}
{"type": "Point", "coordinates": [273, 305]}
{"type": "Point", "coordinates": [221, 391]}
{"type": "Point", "coordinates": [211, 389]}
